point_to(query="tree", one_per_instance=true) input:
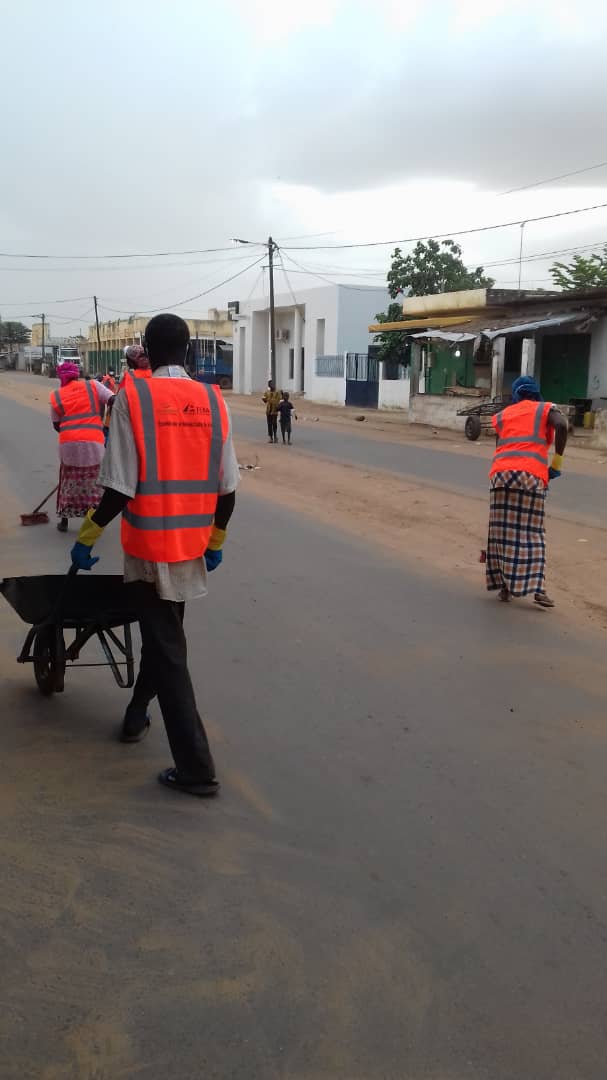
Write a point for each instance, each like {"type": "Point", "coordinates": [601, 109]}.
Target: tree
{"type": "Point", "coordinates": [433, 267]}
{"type": "Point", "coordinates": [393, 346]}
{"type": "Point", "coordinates": [581, 273]}
{"type": "Point", "coordinates": [13, 333]}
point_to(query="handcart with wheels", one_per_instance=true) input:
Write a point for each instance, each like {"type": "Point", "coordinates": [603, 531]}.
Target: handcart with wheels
{"type": "Point", "coordinates": [96, 606]}
{"type": "Point", "coordinates": [478, 417]}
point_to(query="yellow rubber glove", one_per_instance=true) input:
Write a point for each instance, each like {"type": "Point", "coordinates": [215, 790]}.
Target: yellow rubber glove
{"type": "Point", "coordinates": [217, 540]}
{"type": "Point", "coordinates": [89, 530]}
{"type": "Point", "coordinates": [557, 462]}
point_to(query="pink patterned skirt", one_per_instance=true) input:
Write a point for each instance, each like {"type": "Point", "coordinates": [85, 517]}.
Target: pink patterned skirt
{"type": "Point", "coordinates": [78, 490]}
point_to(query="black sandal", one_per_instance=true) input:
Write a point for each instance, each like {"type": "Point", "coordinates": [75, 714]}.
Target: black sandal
{"type": "Point", "coordinates": [543, 600]}
{"type": "Point", "coordinates": [505, 595]}
{"type": "Point", "coordinates": [205, 789]}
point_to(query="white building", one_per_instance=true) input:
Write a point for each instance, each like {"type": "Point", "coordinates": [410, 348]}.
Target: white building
{"type": "Point", "coordinates": [314, 332]}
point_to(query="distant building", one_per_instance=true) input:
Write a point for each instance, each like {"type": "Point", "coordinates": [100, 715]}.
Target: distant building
{"type": "Point", "coordinates": [471, 345]}
{"type": "Point", "coordinates": [316, 331]}
{"type": "Point", "coordinates": [119, 333]}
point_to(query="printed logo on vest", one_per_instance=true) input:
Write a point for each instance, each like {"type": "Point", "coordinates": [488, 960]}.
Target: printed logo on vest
{"type": "Point", "coordinates": [196, 410]}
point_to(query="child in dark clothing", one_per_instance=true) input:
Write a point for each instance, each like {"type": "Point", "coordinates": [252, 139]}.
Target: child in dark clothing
{"type": "Point", "coordinates": [285, 408]}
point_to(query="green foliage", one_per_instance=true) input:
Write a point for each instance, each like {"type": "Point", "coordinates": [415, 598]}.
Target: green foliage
{"type": "Point", "coordinates": [581, 272]}
{"type": "Point", "coordinates": [393, 347]}
{"type": "Point", "coordinates": [14, 333]}
{"type": "Point", "coordinates": [433, 267]}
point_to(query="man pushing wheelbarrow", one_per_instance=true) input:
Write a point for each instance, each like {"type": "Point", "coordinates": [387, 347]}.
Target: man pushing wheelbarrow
{"type": "Point", "coordinates": [171, 471]}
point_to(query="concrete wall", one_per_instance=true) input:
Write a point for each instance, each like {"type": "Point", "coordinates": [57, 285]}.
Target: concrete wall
{"type": "Point", "coordinates": [440, 410]}
{"type": "Point", "coordinates": [394, 393]}
{"type": "Point", "coordinates": [356, 308]}
{"type": "Point", "coordinates": [599, 438]}
{"type": "Point", "coordinates": [328, 391]}
{"type": "Point", "coordinates": [597, 368]}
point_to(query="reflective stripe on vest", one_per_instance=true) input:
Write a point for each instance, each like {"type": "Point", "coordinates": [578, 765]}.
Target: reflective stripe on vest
{"type": "Point", "coordinates": [72, 423]}
{"type": "Point", "coordinates": [141, 518]}
{"type": "Point", "coordinates": [532, 446]}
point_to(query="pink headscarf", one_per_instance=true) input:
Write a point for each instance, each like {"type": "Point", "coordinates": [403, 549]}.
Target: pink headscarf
{"type": "Point", "coordinates": [67, 372]}
{"type": "Point", "coordinates": [136, 358]}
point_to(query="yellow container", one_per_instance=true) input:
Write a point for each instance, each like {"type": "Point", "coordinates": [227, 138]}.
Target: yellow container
{"type": "Point", "coordinates": [589, 420]}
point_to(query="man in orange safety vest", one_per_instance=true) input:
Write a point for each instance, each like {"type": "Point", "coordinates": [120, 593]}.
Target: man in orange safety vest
{"type": "Point", "coordinates": [171, 471]}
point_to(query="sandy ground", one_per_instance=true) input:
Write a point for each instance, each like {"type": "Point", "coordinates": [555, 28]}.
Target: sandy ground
{"type": "Point", "coordinates": [440, 531]}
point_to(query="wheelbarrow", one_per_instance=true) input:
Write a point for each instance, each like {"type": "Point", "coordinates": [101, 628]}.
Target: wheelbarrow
{"type": "Point", "coordinates": [96, 606]}
{"type": "Point", "coordinates": [479, 417]}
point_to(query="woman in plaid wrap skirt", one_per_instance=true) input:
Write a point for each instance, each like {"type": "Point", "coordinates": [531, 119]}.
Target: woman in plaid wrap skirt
{"type": "Point", "coordinates": [516, 546]}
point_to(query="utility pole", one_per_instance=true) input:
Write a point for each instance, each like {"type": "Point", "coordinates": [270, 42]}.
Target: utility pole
{"type": "Point", "coordinates": [272, 312]}
{"type": "Point", "coordinates": [272, 247]}
{"type": "Point", "coordinates": [520, 255]}
{"type": "Point", "coordinates": [98, 334]}
{"type": "Point", "coordinates": [43, 354]}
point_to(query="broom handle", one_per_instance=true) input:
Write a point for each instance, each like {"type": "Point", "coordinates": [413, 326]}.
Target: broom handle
{"type": "Point", "coordinates": [39, 507]}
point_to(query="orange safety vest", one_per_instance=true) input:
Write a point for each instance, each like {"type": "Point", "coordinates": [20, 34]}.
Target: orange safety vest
{"type": "Point", "coordinates": [180, 427]}
{"type": "Point", "coordinates": [523, 439]}
{"type": "Point", "coordinates": [79, 412]}
{"type": "Point", "coordinates": [136, 373]}
{"type": "Point", "coordinates": [109, 381]}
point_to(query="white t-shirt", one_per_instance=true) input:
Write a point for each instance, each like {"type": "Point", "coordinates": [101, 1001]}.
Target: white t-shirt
{"type": "Point", "coordinates": [120, 471]}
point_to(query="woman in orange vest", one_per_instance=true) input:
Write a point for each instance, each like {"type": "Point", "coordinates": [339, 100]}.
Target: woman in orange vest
{"type": "Point", "coordinates": [171, 471]}
{"type": "Point", "coordinates": [76, 411]}
{"type": "Point", "coordinates": [516, 547]}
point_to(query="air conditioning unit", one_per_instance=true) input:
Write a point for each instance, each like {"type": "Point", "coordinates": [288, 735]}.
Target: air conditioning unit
{"type": "Point", "coordinates": [282, 335]}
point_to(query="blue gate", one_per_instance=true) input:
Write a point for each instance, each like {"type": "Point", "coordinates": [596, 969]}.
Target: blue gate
{"type": "Point", "coordinates": [362, 380]}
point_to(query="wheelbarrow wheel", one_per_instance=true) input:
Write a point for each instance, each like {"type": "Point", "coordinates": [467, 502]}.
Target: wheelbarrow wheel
{"type": "Point", "coordinates": [473, 427]}
{"type": "Point", "coordinates": [49, 661]}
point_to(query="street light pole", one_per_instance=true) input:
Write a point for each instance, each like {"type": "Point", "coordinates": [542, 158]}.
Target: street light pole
{"type": "Point", "coordinates": [272, 312]}
{"type": "Point", "coordinates": [272, 247]}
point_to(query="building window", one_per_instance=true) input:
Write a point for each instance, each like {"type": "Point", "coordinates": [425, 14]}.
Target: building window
{"type": "Point", "coordinates": [291, 364]}
{"type": "Point", "coordinates": [330, 367]}
{"type": "Point", "coordinates": [320, 337]}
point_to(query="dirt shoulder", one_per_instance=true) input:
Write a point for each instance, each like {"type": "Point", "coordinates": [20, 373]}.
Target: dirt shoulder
{"type": "Point", "coordinates": [437, 530]}
{"type": "Point", "coordinates": [393, 426]}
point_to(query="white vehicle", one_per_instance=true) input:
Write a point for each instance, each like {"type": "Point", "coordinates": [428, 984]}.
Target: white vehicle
{"type": "Point", "coordinates": [69, 354]}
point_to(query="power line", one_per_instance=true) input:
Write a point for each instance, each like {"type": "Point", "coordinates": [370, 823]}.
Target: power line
{"type": "Point", "coordinates": [116, 269]}
{"type": "Point", "coordinates": [189, 299]}
{"type": "Point", "coordinates": [450, 232]}
{"type": "Point", "coordinates": [553, 179]}
{"type": "Point", "coordinates": [120, 255]}
{"type": "Point", "coordinates": [323, 277]}
{"type": "Point", "coordinates": [287, 279]}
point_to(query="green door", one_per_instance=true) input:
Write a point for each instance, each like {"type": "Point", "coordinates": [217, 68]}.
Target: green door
{"type": "Point", "coordinates": [565, 367]}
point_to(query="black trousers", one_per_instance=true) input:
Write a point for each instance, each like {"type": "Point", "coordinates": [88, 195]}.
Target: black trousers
{"type": "Point", "coordinates": [272, 425]}
{"type": "Point", "coordinates": [164, 674]}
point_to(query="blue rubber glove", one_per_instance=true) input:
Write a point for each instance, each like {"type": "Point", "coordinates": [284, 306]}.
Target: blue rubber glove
{"type": "Point", "coordinates": [213, 558]}
{"type": "Point", "coordinates": [81, 556]}
{"type": "Point", "coordinates": [553, 474]}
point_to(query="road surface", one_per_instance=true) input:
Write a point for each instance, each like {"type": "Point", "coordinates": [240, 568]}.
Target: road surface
{"type": "Point", "coordinates": [404, 876]}
{"type": "Point", "coordinates": [580, 496]}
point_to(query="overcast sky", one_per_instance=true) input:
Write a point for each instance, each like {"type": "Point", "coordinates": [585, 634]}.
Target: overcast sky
{"type": "Point", "coordinates": [147, 126]}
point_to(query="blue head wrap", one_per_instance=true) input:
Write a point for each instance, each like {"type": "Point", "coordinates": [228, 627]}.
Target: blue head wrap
{"type": "Point", "coordinates": [525, 388]}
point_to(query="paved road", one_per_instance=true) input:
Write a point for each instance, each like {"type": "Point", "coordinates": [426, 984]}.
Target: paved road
{"type": "Point", "coordinates": [578, 496]}
{"type": "Point", "coordinates": [403, 879]}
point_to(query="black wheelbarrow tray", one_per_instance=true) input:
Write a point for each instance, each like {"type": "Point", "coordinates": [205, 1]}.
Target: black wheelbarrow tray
{"type": "Point", "coordinates": [97, 605]}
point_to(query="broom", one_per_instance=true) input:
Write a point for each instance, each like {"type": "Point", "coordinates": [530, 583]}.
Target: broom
{"type": "Point", "coordinates": [37, 518]}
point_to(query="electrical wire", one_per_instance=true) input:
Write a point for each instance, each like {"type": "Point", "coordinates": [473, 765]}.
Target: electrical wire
{"type": "Point", "coordinates": [323, 277]}
{"type": "Point", "coordinates": [449, 233]}
{"type": "Point", "coordinates": [553, 179]}
{"type": "Point", "coordinates": [287, 278]}
{"type": "Point", "coordinates": [189, 299]}
{"type": "Point", "coordinates": [124, 255]}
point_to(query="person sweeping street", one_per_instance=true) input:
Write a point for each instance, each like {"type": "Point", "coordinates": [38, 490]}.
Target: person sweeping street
{"type": "Point", "coordinates": [519, 475]}
{"type": "Point", "coordinates": [76, 414]}
{"type": "Point", "coordinates": [171, 470]}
